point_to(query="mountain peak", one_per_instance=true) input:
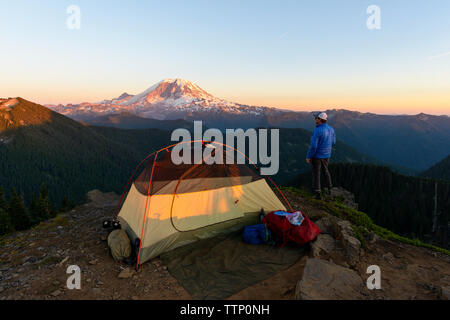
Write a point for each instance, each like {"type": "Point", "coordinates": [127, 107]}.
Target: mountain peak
{"type": "Point", "coordinates": [123, 96]}
{"type": "Point", "coordinates": [9, 103]}
{"type": "Point", "coordinates": [174, 91]}
{"type": "Point", "coordinates": [178, 81]}
{"type": "Point", "coordinates": [184, 87]}
{"type": "Point", "coordinates": [18, 112]}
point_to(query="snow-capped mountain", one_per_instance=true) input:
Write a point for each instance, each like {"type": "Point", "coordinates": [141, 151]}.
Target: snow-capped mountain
{"type": "Point", "coordinates": [167, 99]}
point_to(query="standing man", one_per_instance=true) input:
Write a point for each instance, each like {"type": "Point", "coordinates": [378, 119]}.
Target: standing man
{"type": "Point", "coordinates": [319, 152]}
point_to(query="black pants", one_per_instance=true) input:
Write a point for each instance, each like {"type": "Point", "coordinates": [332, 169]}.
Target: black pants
{"type": "Point", "coordinates": [317, 164]}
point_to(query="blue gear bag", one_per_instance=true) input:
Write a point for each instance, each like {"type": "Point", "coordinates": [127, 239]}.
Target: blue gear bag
{"type": "Point", "coordinates": [256, 234]}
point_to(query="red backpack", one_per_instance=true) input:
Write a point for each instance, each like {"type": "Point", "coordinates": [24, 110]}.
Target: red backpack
{"type": "Point", "coordinates": [282, 229]}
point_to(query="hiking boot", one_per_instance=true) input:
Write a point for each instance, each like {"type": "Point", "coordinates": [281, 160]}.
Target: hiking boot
{"type": "Point", "coordinates": [318, 195]}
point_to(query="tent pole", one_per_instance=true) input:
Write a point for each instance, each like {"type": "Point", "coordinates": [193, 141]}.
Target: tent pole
{"type": "Point", "coordinates": [145, 213]}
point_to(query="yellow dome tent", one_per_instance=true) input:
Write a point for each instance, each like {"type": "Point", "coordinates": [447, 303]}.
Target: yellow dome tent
{"type": "Point", "coordinates": [170, 205]}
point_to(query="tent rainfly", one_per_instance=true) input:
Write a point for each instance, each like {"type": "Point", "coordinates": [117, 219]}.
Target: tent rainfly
{"type": "Point", "coordinates": [169, 205]}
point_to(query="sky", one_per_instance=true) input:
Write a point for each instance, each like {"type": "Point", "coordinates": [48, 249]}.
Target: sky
{"type": "Point", "coordinates": [298, 55]}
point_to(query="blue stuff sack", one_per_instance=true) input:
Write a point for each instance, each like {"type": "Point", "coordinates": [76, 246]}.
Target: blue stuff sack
{"type": "Point", "coordinates": [256, 234]}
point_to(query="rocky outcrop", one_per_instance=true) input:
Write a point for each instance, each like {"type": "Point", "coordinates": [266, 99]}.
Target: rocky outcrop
{"type": "Point", "coordinates": [99, 199]}
{"type": "Point", "coordinates": [324, 243]}
{"type": "Point", "coordinates": [345, 197]}
{"type": "Point", "coordinates": [327, 225]}
{"type": "Point", "coordinates": [337, 232]}
{"type": "Point", "coordinates": [344, 234]}
{"type": "Point", "coordinates": [324, 280]}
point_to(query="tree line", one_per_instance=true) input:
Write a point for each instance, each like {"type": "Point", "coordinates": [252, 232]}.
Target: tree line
{"type": "Point", "coordinates": [403, 204]}
{"type": "Point", "coordinates": [15, 215]}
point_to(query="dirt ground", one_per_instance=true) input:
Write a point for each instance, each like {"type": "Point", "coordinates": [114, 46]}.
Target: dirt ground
{"type": "Point", "coordinates": [33, 265]}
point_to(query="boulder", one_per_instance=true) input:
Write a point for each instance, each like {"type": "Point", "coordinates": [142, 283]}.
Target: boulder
{"type": "Point", "coordinates": [389, 257]}
{"type": "Point", "coordinates": [323, 243]}
{"type": "Point", "coordinates": [352, 250]}
{"type": "Point", "coordinates": [93, 262]}
{"type": "Point", "coordinates": [313, 213]}
{"type": "Point", "coordinates": [99, 199]}
{"type": "Point", "coordinates": [373, 237]}
{"type": "Point", "coordinates": [352, 246]}
{"type": "Point", "coordinates": [119, 244]}
{"type": "Point", "coordinates": [126, 273]}
{"type": "Point", "coordinates": [344, 196]}
{"type": "Point", "coordinates": [324, 280]}
{"type": "Point", "coordinates": [56, 293]}
{"type": "Point", "coordinates": [326, 224]}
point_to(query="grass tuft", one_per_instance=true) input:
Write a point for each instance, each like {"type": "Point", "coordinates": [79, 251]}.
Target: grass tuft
{"type": "Point", "coordinates": [59, 220]}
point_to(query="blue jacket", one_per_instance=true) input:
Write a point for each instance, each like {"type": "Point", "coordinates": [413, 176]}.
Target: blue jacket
{"type": "Point", "coordinates": [322, 141]}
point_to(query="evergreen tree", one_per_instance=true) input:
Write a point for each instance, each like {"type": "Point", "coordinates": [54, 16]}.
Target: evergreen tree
{"type": "Point", "coordinates": [43, 207]}
{"type": "Point", "coordinates": [18, 212]}
{"type": "Point", "coordinates": [44, 191]}
{"type": "Point", "coordinates": [34, 213]}
{"type": "Point", "coordinates": [65, 205]}
{"type": "Point", "coordinates": [5, 222]}
{"type": "Point", "coordinates": [3, 202]}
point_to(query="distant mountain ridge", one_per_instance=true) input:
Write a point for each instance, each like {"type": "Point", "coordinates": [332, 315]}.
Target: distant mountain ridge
{"type": "Point", "coordinates": [439, 171]}
{"type": "Point", "coordinates": [169, 99]}
{"type": "Point", "coordinates": [40, 145]}
{"type": "Point", "coordinates": [413, 142]}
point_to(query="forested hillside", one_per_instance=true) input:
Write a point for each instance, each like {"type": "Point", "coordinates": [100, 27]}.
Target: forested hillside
{"type": "Point", "coordinates": [73, 159]}
{"type": "Point", "coordinates": [40, 146]}
{"type": "Point", "coordinates": [400, 203]}
{"type": "Point", "coordinates": [294, 144]}
{"type": "Point", "coordinates": [440, 170]}
{"type": "Point", "coordinates": [127, 120]}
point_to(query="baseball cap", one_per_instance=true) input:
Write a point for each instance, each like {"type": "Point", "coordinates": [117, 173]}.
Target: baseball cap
{"type": "Point", "coordinates": [321, 115]}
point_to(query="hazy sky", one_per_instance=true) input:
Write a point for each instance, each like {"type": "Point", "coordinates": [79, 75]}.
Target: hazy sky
{"type": "Point", "coordinates": [301, 55]}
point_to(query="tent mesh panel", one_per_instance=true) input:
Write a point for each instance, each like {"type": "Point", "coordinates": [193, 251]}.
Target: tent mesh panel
{"type": "Point", "coordinates": [169, 178]}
